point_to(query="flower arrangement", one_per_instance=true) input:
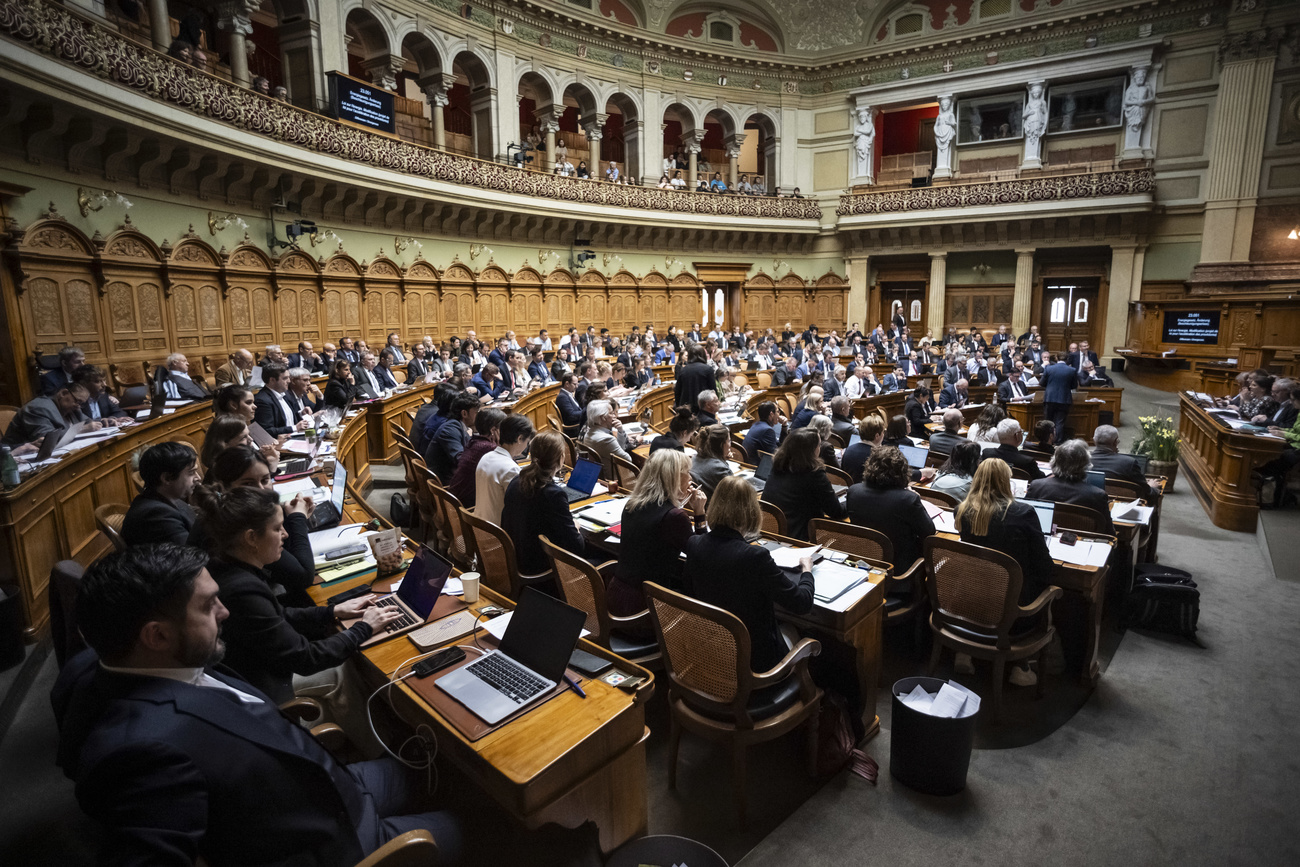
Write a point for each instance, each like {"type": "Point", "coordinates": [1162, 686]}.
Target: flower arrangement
{"type": "Point", "coordinates": [1159, 439]}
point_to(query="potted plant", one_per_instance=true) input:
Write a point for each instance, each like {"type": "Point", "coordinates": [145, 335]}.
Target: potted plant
{"type": "Point", "coordinates": [1159, 442]}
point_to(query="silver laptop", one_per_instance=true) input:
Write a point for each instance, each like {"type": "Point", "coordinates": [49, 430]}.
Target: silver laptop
{"type": "Point", "coordinates": [540, 638]}
{"type": "Point", "coordinates": [1045, 510]}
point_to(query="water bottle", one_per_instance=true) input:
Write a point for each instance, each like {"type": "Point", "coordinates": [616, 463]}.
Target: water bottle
{"type": "Point", "coordinates": [8, 468]}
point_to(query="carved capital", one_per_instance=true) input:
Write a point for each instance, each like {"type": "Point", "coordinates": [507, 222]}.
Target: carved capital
{"type": "Point", "coordinates": [1251, 44]}
{"type": "Point", "coordinates": [383, 70]}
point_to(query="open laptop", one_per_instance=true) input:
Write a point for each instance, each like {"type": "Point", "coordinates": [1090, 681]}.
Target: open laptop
{"type": "Point", "coordinates": [58, 439]}
{"type": "Point", "coordinates": [582, 481]}
{"type": "Point", "coordinates": [1045, 510]}
{"type": "Point", "coordinates": [540, 638]}
{"type": "Point", "coordinates": [764, 469]}
{"type": "Point", "coordinates": [416, 595]}
{"type": "Point", "coordinates": [329, 512]}
{"type": "Point", "coordinates": [752, 365]}
{"type": "Point", "coordinates": [915, 456]}
{"type": "Point", "coordinates": [1097, 479]}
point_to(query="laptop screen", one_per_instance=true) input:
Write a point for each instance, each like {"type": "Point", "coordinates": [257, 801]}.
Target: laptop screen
{"type": "Point", "coordinates": [1045, 510]}
{"type": "Point", "coordinates": [1141, 459]}
{"type": "Point", "coordinates": [542, 633]}
{"type": "Point", "coordinates": [764, 468]}
{"type": "Point", "coordinates": [423, 582]}
{"type": "Point", "coordinates": [853, 440]}
{"type": "Point", "coordinates": [584, 476]}
{"type": "Point", "coordinates": [339, 487]}
{"type": "Point", "coordinates": [915, 456]}
{"type": "Point", "coordinates": [1097, 479]}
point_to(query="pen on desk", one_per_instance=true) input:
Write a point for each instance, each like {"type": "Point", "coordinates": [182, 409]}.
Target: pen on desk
{"type": "Point", "coordinates": [573, 683]}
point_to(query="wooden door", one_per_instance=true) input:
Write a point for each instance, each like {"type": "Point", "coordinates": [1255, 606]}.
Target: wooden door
{"type": "Point", "coordinates": [1069, 312]}
{"type": "Point", "coordinates": [910, 295]}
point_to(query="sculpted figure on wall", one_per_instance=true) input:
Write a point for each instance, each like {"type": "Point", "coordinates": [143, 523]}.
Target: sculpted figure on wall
{"type": "Point", "coordinates": [864, 137]}
{"type": "Point", "coordinates": [945, 136]}
{"type": "Point", "coordinates": [1138, 99]}
{"type": "Point", "coordinates": [1034, 117]}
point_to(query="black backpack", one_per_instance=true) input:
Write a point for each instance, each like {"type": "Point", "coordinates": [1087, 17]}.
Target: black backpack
{"type": "Point", "coordinates": [1163, 599]}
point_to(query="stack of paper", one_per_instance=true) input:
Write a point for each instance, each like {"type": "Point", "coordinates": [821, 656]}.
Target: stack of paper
{"type": "Point", "coordinates": [833, 579]}
{"type": "Point", "coordinates": [788, 558]}
{"type": "Point", "coordinates": [1133, 513]}
{"type": "Point", "coordinates": [605, 513]}
{"type": "Point", "coordinates": [945, 522]}
{"type": "Point", "coordinates": [1081, 553]}
{"type": "Point", "coordinates": [953, 701]}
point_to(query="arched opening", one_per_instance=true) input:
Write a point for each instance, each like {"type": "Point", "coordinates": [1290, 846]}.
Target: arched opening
{"type": "Point", "coordinates": [578, 124]}
{"type": "Point", "coordinates": [719, 133]}
{"type": "Point", "coordinates": [758, 157]}
{"type": "Point", "coordinates": [419, 85]}
{"type": "Point", "coordinates": [622, 141]}
{"type": "Point", "coordinates": [370, 57]}
{"type": "Point", "coordinates": [680, 135]}
{"type": "Point", "coordinates": [536, 103]}
{"type": "Point", "coordinates": [468, 115]}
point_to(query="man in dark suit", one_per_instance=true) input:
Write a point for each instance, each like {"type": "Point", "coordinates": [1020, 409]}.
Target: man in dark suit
{"type": "Point", "coordinates": [70, 358]}
{"type": "Point", "coordinates": [177, 757]}
{"type": "Point", "coordinates": [271, 408]}
{"type": "Point", "coordinates": [498, 355]}
{"type": "Point", "coordinates": [709, 403]}
{"type": "Point", "coordinates": [1059, 381]}
{"type": "Point", "coordinates": [447, 444]}
{"type": "Point", "coordinates": [383, 371]}
{"type": "Point", "coordinates": [537, 368]}
{"type": "Point", "coordinates": [161, 512]}
{"type": "Point", "coordinates": [1106, 457]}
{"type": "Point", "coordinates": [99, 405]}
{"type": "Point", "coordinates": [394, 345]}
{"type": "Point", "coordinates": [302, 396]}
{"type": "Point", "coordinates": [762, 435]}
{"type": "Point", "coordinates": [694, 377]}
{"type": "Point", "coordinates": [842, 423]}
{"type": "Point", "coordinates": [955, 395]}
{"type": "Point", "coordinates": [306, 357]}
{"type": "Point", "coordinates": [1083, 353]}
{"type": "Point", "coordinates": [173, 380]}
{"type": "Point", "coordinates": [347, 353]}
{"type": "Point", "coordinates": [1091, 376]}
{"type": "Point", "coordinates": [48, 416]}
{"type": "Point", "coordinates": [942, 443]}
{"type": "Point", "coordinates": [567, 404]}
{"type": "Point", "coordinates": [1285, 415]}
{"type": "Point", "coordinates": [364, 374]}
{"type": "Point", "coordinates": [787, 373]}
{"type": "Point", "coordinates": [1068, 483]}
{"type": "Point", "coordinates": [1009, 437]}
{"type": "Point", "coordinates": [833, 386]}
{"type": "Point", "coordinates": [1012, 388]}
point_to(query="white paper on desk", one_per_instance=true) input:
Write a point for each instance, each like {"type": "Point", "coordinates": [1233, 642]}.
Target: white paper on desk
{"type": "Point", "coordinates": [144, 413]}
{"type": "Point", "coordinates": [177, 402]}
{"type": "Point", "coordinates": [831, 580]}
{"type": "Point", "coordinates": [788, 558]}
{"type": "Point", "coordinates": [336, 537]}
{"type": "Point", "coordinates": [1081, 553]}
{"type": "Point", "coordinates": [1133, 513]}
{"type": "Point", "coordinates": [607, 513]}
{"type": "Point", "coordinates": [850, 597]}
{"type": "Point", "coordinates": [931, 509]}
{"type": "Point", "coordinates": [298, 446]}
{"type": "Point", "coordinates": [1019, 487]}
{"type": "Point", "coordinates": [945, 522]}
{"type": "Point", "coordinates": [496, 627]}
{"type": "Point", "coordinates": [286, 490]}
{"type": "Point", "coordinates": [453, 587]}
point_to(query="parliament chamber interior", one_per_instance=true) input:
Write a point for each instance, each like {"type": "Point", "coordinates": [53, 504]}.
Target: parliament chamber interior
{"type": "Point", "coordinates": [643, 432]}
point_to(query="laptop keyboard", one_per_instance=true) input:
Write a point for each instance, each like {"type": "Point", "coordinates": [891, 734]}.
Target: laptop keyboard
{"type": "Point", "coordinates": [400, 623]}
{"type": "Point", "coordinates": [505, 678]}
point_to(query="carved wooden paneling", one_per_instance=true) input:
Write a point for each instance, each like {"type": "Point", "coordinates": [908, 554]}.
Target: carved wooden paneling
{"type": "Point", "coordinates": [493, 313]}
{"type": "Point", "coordinates": [458, 312]}
{"type": "Point", "coordinates": [684, 309]}
{"type": "Point", "coordinates": [264, 325]}
{"type": "Point", "coordinates": [526, 314]}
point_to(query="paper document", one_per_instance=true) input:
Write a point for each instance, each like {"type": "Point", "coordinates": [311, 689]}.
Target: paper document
{"type": "Point", "coordinates": [853, 595]}
{"type": "Point", "coordinates": [953, 701]}
{"type": "Point", "coordinates": [177, 402]}
{"type": "Point", "coordinates": [833, 579]}
{"type": "Point", "coordinates": [1081, 553]}
{"type": "Point", "coordinates": [1133, 513]}
{"type": "Point", "coordinates": [1019, 487]}
{"type": "Point", "coordinates": [297, 446]}
{"type": "Point", "coordinates": [606, 513]}
{"type": "Point", "coordinates": [788, 558]}
{"type": "Point", "coordinates": [945, 523]}
{"type": "Point", "coordinates": [496, 627]}
{"type": "Point", "coordinates": [931, 509]}
{"type": "Point", "coordinates": [336, 537]}
{"type": "Point", "coordinates": [144, 413]}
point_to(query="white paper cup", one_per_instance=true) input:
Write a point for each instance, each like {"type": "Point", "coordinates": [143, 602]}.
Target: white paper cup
{"type": "Point", "coordinates": [469, 587]}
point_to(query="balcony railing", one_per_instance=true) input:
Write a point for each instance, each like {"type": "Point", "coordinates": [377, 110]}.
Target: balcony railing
{"type": "Point", "coordinates": [1017, 191]}
{"type": "Point", "coordinates": [79, 42]}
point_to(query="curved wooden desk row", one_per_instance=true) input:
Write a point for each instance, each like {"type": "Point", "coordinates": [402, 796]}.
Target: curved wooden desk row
{"type": "Point", "coordinates": [1218, 461]}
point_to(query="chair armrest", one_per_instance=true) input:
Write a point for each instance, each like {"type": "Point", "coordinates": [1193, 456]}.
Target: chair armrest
{"type": "Point", "coordinates": [641, 618]}
{"type": "Point", "coordinates": [302, 709]}
{"type": "Point", "coordinates": [330, 736]}
{"type": "Point", "coordinates": [606, 570]}
{"type": "Point", "coordinates": [1040, 603]}
{"type": "Point", "coordinates": [413, 847]}
{"type": "Point", "coordinates": [805, 649]}
{"type": "Point", "coordinates": [911, 570]}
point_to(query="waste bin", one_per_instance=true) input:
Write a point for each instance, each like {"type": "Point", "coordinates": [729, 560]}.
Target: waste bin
{"type": "Point", "coordinates": [12, 651]}
{"type": "Point", "coordinates": [665, 849]}
{"type": "Point", "coordinates": [927, 753]}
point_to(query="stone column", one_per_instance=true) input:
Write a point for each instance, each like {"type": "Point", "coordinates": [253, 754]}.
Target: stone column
{"type": "Point", "coordinates": [160, 24]}
{"type": "Point", "coordinates": [732, 151]}
{"type": "Point", "coordinates": [1237, 144]}
{"type": "Point", "coordinates": [550, 127]}
{"type": "Point", "coordinates": [234, 17]}
{"type": "Point", "coordinates": [1125, 286]}
{"type": "Point", "coordinates": [859, 287]}
{"type": "Point", "coordinates": [938, 294]}
{"type": "Point", "coordinates": [593, 127]}
{"type": "Point", "coordinates": [691, 145]}
{"type": "Point", "coordinates": [435, 89]}
{"type": "Point", "coordinates": [1023, 301]}
{"type": "Point", "coordinates": [383, 69]}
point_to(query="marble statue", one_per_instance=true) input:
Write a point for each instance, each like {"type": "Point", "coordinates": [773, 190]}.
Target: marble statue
{"type": "Point", "coordinates": [864, 136]}
{"type": "Point", "coordinates": [1138, 100]}
{"type": "Point", "coordinates": [945, 135]}
{"type": "Point", "coordinates": [1034, 124]}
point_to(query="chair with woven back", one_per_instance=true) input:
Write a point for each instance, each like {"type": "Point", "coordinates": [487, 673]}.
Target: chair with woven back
{"type": "Point", "coordinates": [773, 518]}
{"type": "Point", "coordinates": [942, 499]}
{"type": "Point", "coordinates": [740, 380]}
{"type": "Point", "coordinates": [1080, 519]}
{"type": "Point", "coordinates": [495, 552]}
{"type": "Point", "coordinates": [449, 510]}
{"type": "Point", "coordinates": [838, 476]}
{"type": "Point", "coordinates": [625, 472]}
{"type": "Point", "coordinates": [586, 452]}
{"type": "Point", "coordinates": [974, 609]}
{"type": "Point", "coordinates": [713, 692]}
{"type": "Point", "coordinates": [582, 585]}
{"type": "Point", "coordinates": [764, 379]}
{"type": "Point", "coordinates": [1022, 474]}
{"type": "Point", "coordinates": [417, 475]}
{"type": "Point", "coordinates": [127, 374]}
{"type": "Point", "coordinates": [838, 441]}
{"type": "Point", "coordinates": [109, 518]}
{"type": "Point", "coordinates": [904, 584]}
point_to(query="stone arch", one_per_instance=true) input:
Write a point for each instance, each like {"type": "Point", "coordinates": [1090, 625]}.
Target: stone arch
{"type": "Point", "coordinates": [468, 115]}
{"type": "Point", "coordinates": [624, 134]}
{"type": "Point", "coordinates": [761, 126]}
{"type": "Point", "coordinates": [373, 50]}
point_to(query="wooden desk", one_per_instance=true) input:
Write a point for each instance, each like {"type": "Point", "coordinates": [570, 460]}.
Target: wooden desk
{"type": "Point", "coordinates": [381, 413]}
{"type": "Point", "coordinates": [1217, 462]}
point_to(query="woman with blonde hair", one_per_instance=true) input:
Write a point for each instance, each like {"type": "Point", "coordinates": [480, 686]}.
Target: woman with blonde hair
{"type": "Point", "coordinates": [656, 526]}
{"type": "Point", "coordinates": [710, 463]}
{"type": "Point", "coordinates": [535, 505]}
{"type": "Point", "coordinates": [992, 517]}
{"type": "Point", "coordinates": [723, 569]}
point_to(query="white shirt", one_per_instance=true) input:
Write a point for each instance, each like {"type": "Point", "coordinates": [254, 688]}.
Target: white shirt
{"type": "Point", "coordinates": [855, 386]}
{"type": "Point", "coordinates": [284, 407]}
{"type": "Point", "coordinates": [495, 471]}
{"type": "Point", "coordinates": [172, 392]}
{"type": "Point", "coordinates": [546, 344]}
{"type": "Point", "coordinates": [193, 676]}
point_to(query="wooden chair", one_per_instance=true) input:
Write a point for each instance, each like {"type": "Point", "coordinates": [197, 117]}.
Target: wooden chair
{"type": "Point", "coordinates": [838, 476]}
{"type": "Point", "coordinates": [738, 447]}
{"type": "Point", "coordinates": [554, 423]}
{"type": "Point", "coordinates": [625, 472]}
{"type": "Point", "coordinates": [764, 379]}
{"type": "Point", "coordinates": [496, 557]}
{"type": "Point", "coordinates": [1130, 490]}
{"type": "Point", "coordinates": [740, 380]}
{"type": "Point", "coordinates": [7, 414]}
{"type": "Point", "coordinates": [1080, 519]}
{"type": "Point", "coordinates": [124, 375]}
{"type": "Point", "coordinates": [974, 605]}
{"type": "Point", "coordinates": [570, 445]}
{"type": "Point", "coordinates": [712, 691]}
{"type": "Point", "coordinates": [449, 515]}
{"type": "Point", "coordinates": [412, 849]}
{"type": "Point", "coordinates": [588, 453]}
{"type": "Point", "coordinates": [838, 441]}
{"type": "Point", "coordinates": [939, 498]}
{"type": "Point", "coordinates": [1018, 473]}
{"type": "Point", "coordinates": [108, 518]}
{"type": "Point", "coordinates": [582, 585]}
{"type": "Point", "coordinates": [773, 518]}
{"type": "Point", "coordinates": [904, 583]}
{"type": "Point", "coordinates": [736, 452]}
{"type": "Point", "coordinates": [1037, 455]}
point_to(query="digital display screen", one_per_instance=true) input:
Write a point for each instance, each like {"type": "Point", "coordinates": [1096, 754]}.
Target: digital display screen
{"type": "Point", "coordinates": [1182, 326]}
{"type": "Point", "coordinates": [362, 104]}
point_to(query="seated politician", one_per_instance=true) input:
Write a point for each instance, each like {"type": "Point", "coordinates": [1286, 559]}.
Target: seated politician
{"type": "Point", "coordinates": [798, 484]}
{"type": "Point", "coordinates": [47, 416]}
{"type": "Point", "coordinates": [535, 505]}
{"type": "Point", "coordinates": [161, 512]}
{"type": "Point", "coordinates": [1106, 457]}
{"type": "Point", "coordinates": [272, 407]}
{"type": "Point", "coordinates": [1068, 483]}
{"type": "Point", "coordinates": [183, 762]}
{"type": "Point", "coordinates": [884, 501]}
{"type": "Point", "coordinates": [871, 433]}
{"type": "Point", "coordinates": [1009, 437]}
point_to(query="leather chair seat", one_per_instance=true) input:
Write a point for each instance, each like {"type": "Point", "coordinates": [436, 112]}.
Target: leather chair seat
{"type": "Point", "coordinates": [632, 646]}
{"type": "Point", "coordinates": [763, 703]}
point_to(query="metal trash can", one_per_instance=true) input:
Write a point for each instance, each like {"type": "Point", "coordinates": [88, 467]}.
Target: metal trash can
{"type": "Point", "coordinates": [665, 849]}
{"type": "Point", "coordinates": [12, 651]}
{"type": "Point", "coordinates": [928, 753]}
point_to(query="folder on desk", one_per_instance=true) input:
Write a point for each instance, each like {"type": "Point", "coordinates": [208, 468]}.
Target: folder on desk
{"type": "Point", "coordinates": [833, 580]}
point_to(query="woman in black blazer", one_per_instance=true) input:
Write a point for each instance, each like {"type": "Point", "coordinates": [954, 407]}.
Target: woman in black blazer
{"type": "Point", "coordinates": [896, 432]}
{"type": "Point", "coordinates": [536, 506]}
{"type": "Point", "coordinates": [340, 390]}
{"type": "Point", "coordinates": [917, 410]}
{"type": "Point", "coordinates": [883, 501]}
{"type": "Point", "coordinates": [723, 569]}
{"type": "Point", "coordinates": [266, 643]}
{"type": "Point", "coordinates": [798, 484]}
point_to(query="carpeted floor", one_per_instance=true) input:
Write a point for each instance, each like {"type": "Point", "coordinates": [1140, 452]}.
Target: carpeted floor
{"type": "Point", "coordinates": [1181, 755]}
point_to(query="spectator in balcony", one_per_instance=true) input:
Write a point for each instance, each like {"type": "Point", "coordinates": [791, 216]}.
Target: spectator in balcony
{"type": "Point", "coordinates": [702, 186]}
{"type": "Point", "coordinates": [612, 173]}
{"type": "Point", "coordinates": [281, 93]}
{"type": "Point", "coordinates": [795, 194]}
{"type": "Point", "coordinates": [199, 59]}
{"type": "Point", "coordinates": [664, 183]}
{"type": "Point", "coordinates": [718, 185]}
{"type": "Point", "coordinates": [678, 183]}
{"type": "Point", "coordinates": [743, 187]}
{"type": "Point", "coordinates": [583, 171]}
{"type": "Point", "coordinates": [262, 84]}
{"type": "Point", "coordinates": [760, 189]}
{"type": "Point", "coordinates": [562, 152]}
{"type": "Point", "coordinates": [180, 50]}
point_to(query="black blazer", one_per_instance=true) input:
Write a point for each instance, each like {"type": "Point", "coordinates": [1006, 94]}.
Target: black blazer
{"type": "Point", "coordinates": [298, 403]}
{"type": "Point", "coordinates": [942, 443]}
{"type": "Point", "coordinates": [918, 416]}
{"type": "Point", "coordinates": [270, 415]}
{"type": "Point", "coordinates": [723, 569]}
{"type": "Point", "coordinates": [415, 369]}
{"type": "Point", "coordinates": [1117, 466]}
{"type": "Point", "coordinates": [295, 571]}
{"type": "Point", "coordinates": [854, 460]}
{"type": "Point", "coordinates": [843, 427]}
{"type": "Point", "coordinates": [692, 379]}
{"type": "Point", "coordinates": [338, 392]}
{"type": "Point", "coordinates": [898, 513]}
{"type": "Point", "coordinates": [1005, 393]}
{"type": "Point", "coordinates": [1018, 534]}
{"type": "Point", "coordinates": [1014, 458]}
{"type": "Point", "coordinates": [570, 413]}
{"type": "Point", "coordinates": [177, 771]}
{"type": "Point", "coordinates": [951, 397]}
{"type": "Point", "coordinates": [802, 497]}
{"type": "Point", "coordinates": [154, 519]}
{"type": "Point", "coordinates": [1075, 493]}
{"type": "Point", "coordinates": [188, 389]}
{"type": "Point", "coordinates": [266, 643]}
{"type": "Point", "coordinates": [108, 409]}
{"type": "Point", "coordinates": [546, 513]}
